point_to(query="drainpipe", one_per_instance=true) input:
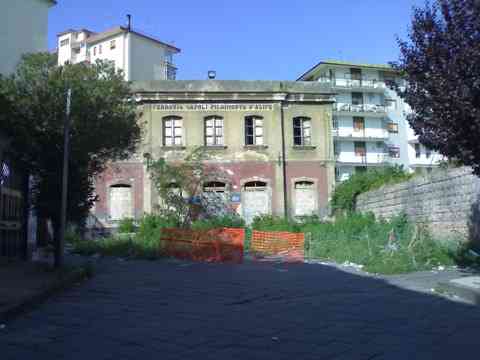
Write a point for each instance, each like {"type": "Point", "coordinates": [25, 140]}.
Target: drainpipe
{"type": "Point", "coordinates": [284, 162]}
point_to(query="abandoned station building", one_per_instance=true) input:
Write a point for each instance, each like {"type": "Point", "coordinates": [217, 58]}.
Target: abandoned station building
{"type": "Point", "coordinates": [269, 138]}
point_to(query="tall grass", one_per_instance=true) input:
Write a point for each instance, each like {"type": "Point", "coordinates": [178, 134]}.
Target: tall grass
{"type": "Point", "coordinates": [387, 247]}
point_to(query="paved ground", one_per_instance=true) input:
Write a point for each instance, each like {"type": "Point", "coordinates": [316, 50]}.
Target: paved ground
{"type": "Point", "coordinates": [173, 310]}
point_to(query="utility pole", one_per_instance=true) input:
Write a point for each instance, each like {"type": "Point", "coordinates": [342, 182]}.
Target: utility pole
{"type": "Point", "coordinates": [59, 249]}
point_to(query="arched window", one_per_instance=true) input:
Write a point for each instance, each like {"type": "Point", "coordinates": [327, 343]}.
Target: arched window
{"type": "Point", "coordinates": [254, 130]}
{"type": "Point", "coordinates": [255, 186]}
{"type": "Point", "coordinates": [255, 200]}
{"type": "Point", "coordinates": [302, 127]}
{"type": "Point", "coordinates": [215, 187]}
{"type": "Point", "coordinates": [214, 131]}
{"type": "Point", "coordinates": [172, 131]}
{"type": "Point", "coordinates": [121, 201]}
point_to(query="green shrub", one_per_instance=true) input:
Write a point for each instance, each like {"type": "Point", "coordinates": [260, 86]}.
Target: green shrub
{"type": "Point", "coordinates": [126, 226]}
{"type": "Point", "coordinates": [345, 194]}
{"type": "Point", "coordinates": [363, 240]}
{"type": "Point", "coordinates": [275, 223]}
{"type": "Point", "coordinates": [230, 221]}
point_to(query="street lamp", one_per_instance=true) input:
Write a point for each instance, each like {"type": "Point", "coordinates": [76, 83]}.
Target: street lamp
{"type": "Point", "coordinates": [59, 256]}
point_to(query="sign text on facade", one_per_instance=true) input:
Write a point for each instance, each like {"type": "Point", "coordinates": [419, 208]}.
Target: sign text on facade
{"type": "Point", "coordinates": [213, 107]}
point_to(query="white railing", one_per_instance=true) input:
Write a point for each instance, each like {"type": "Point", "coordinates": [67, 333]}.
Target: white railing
{"type": "Point", "coordinates": [362, 108]}
{"type": "Point", "coordinates": [348, 82]}
{"type": "Point", "coordinates": [361, 134]}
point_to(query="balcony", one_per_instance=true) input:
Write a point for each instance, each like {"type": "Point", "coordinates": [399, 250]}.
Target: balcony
{"type": "Point", "coordinates": [351, 109]}
{"type": "Point", "coordinates": [363, 83]}
{"type": "Point", "coordinates": [362, 135]}
{"type": "Point", "coordinates": [362, 158]}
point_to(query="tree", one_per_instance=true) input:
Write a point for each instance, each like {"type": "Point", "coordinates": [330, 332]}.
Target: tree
{"type": "Point", "coordinates": [180, 186]}
{"type": "Point", "coordinates": [442, 72]}
{"type": "Point", "coordinates": [104, 128]}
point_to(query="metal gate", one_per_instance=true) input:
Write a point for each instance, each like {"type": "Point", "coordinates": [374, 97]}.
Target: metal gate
{"type": "Point", "coordinates": [12, 211]}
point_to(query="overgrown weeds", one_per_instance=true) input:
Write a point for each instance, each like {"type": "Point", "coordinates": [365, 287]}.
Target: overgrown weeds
{"type": "Point", "coordinates": [386, 247]}
{"type": "Point", "coordinates": [344, 197]}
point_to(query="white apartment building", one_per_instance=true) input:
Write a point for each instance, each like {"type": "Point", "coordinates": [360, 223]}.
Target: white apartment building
{"type": "Point", "coordinates": [140, 56]}
{"type": "Point", "coordinates": [23, 29]}
{"type": "Point", "coordinates": [369, 119]}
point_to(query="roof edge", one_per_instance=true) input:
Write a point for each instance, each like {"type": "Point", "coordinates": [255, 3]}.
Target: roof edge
{"type": "Point", "coordinates": [345, 63]}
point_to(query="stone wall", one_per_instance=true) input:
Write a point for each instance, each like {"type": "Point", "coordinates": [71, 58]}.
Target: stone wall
{"type": "Point", "coordinates": [446, 200]}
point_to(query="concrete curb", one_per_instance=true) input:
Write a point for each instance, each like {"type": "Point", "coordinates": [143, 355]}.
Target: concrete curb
{"type": "Point", "coordinates": [461, 289]}
{"type": "Point", "coordinates": [28, 303]}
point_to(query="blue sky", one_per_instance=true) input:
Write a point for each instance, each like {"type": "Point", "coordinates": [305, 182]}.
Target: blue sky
{"type": "Point", "coordinates": [248, 39]}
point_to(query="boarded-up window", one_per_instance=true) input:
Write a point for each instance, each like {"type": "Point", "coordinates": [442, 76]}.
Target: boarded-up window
{"type": "Point", "coordinates": [305, 199]}
{"type": "Point", "coordinates": [255, 200]}
{"type": "Point", "coordinates": [121, 204]}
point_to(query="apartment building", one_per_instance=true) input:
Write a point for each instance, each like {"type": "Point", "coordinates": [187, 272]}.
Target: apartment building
{"type": "Point", "coordinates": [369, 119]}
{"type": "Point", "coordinates": [271, 142]}
{"type": "Point", "coordinates": [141, 57]}
{"type": "Point", "coordinates": [23, 29]}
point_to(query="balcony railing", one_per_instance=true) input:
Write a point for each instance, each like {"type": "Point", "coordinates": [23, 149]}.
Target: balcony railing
{"type": "Point", "coordinates": [362, 108]}
{"type": "Point", "coordinates": [366, 134]}
{"type": "Point", "coordinates": [347, 82]}
{"type": "Point", "coordinates": [364, 158]}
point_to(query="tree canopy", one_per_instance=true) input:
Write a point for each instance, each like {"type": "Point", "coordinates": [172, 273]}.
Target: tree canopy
{"type": "Point", "coordinates": [440, 62]}
{"type": "Point", "coordinates": [104, 127]}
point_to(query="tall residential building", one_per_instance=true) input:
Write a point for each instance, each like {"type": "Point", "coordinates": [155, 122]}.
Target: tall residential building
{"type": "Point", "coordinates": [141, 57]}
{"type": "Point", "coordinates": [369, 119]}
{"type": "Point", "coordinates": [23, 29]}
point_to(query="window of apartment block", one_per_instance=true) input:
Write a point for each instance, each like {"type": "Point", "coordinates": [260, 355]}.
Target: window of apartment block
{"type": "Point", "coordinates": [417, 150]}
{"type": "Point", "coordinates": [358, 123]}
{"type": "Point", "coordinates": [302, 131]}
{"type": "Point", "coordinates": [113, 44]}
{"type": "Point", "coordinates": [99, 49]}
{"type": "Point", "coordinates": [64, 42]}
{"type": "Point", "coordinates": [392, 128]}
{"type": "Point", "coordinates": [357, 98]}
{"type": "Point", "coordinates": [360, 148]}
{"type": "Point", "coordinates": [172, 131]}
{"type": "Point", "coordinates": [356, 74]}
{"type": "Point", "coordinates": [394, 152]}
{"type": "Point", "coordinates": [336, 148]}
{"type": "Point", "coordinates": [94, 51]}
{"type": "Point", "coordinates": [214, 131]}
{"type": "Point", "coordinates": [253, 130]}
{"type": "Point", "coordinates": [335, 122]}
{"type": "Point", "coordinates": [428, 153]}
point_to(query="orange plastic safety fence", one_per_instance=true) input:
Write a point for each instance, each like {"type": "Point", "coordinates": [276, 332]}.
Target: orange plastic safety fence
{"type": "Point", "coordinates": [217, 245]}
{"type": "Point", "coordinates": [289, 245]}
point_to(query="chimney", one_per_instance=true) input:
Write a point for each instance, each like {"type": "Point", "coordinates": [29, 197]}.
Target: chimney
{"type": "Point", "coordinates": [129, 22]}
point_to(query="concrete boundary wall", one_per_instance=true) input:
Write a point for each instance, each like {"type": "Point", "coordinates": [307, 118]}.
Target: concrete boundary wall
{"type": "Point", "coordinates": [446, 200]}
